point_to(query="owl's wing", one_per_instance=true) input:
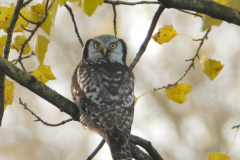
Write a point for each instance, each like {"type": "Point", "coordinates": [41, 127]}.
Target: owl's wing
{"type": "Point", "coordinates": [77, 92]}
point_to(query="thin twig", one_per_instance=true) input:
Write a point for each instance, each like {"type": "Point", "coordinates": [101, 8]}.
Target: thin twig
{"type": "Point", "coordinates": [148, 37]}
{"type": "Point", "coordinates": [39, 119]}
{"type": "Point", "coordinates": [26, 3]}
{"type": "Point", "coordinates": [74, 23]}
{"type": "Point", "coordinates": [195, 14]}
{"type": "Point", "coordinates": [96, 150]}
{"type": "Point", "coordinates": [192, 59]}
{"type": "Point", "coordinates": [233, 139]}
{"type": "Point", "coordinates": [16, 60]}
{"type": "Point", "coordinates": [114, 19]}
{"type": "Point", "coordinates": [130, 3]}
{"type": "Point", "coordinates": [237, 126]}
{"type": "Point", "coordinates": [189, 67]}
{"type": "Point", "coordinates": [29, 21]}
{"type": "Point", "coordinates": [28, 30]}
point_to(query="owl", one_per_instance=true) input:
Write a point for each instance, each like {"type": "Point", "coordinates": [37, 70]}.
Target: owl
{"type": "Point", "coordinates": [103, 86]}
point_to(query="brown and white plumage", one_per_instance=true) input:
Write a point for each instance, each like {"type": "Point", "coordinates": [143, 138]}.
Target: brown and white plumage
{"type": "Point", "coordinates": [104, 86]}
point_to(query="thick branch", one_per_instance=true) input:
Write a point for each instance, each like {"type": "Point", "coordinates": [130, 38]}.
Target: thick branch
{"type": "Point", "coordinates": [207, 7]}
{"type": "Point", "coordinates": [31, 83]}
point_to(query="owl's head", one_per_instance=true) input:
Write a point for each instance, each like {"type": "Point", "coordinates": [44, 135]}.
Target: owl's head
{"type": "Point", "coordinates": [105, 47]}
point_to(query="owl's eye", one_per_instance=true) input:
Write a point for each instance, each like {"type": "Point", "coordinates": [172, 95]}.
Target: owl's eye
{"type": "Point", "coordinates": [97, 45]}
{"type": "Point", "coordinates": [113, 45]}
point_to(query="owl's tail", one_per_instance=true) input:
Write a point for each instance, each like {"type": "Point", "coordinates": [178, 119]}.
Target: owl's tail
{"type": "Point", "coordinates": [118, 151]}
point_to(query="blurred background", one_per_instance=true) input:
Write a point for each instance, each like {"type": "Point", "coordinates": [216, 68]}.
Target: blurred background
{"type": "Point", "coordinates": [185, 131]}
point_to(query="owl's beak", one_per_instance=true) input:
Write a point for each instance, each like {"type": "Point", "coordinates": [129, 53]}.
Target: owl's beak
{"type": "Point", "coordinates": [104, 50]}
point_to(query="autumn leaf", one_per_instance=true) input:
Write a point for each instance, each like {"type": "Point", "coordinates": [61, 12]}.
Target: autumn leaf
{"type": "Point", "coordinates": [61, 2]}
{"type": "Point", "coordinates": [2, 44]}
{"type": "Point", "coordinates": [46, 26]}
{"type": "Point", "coordinates": [46, 70]}
{"type": "Point", "coordinates": [37, 12]}
{"type": "Point", "coordinates": [200, 14]}
{"type": "Point", "coordinates": [53, 11]}
{"type": "Point", "coordinates": [178, 92]}
{"type": "Point", "coordinates": [89, 6]}
{"type": "Point", "coordinates": [20, 20]}
{"type": "Point", "coordinates": [41, 45]}
{"type": "Point", "coordinates": [18, 27]}
{"type": "Point", "coordinates": [39, 76]}
{"type": "Point", "coordinates": [136, 99]}
{"type": "Point", "coordinates": [165, 34]}
{"type": "Point", "coordinates": [210, 67]}
{"type": "Point", "coordinates": [209, 22]}
{"type": "Point", "coordinates": [222, 2]}
{"type": "Point", "coordinates": [8, 92]}
{"type": "Point", "coordinates": [43, 73]}
{"type": "Point", "coordinates": [6, 15]}
{"type": "Point", "coordinates": [234, 4]}
{"type": "Point", "coordinates": [18, 42]}
{"type": "Point", "coordinates": [218, 156]}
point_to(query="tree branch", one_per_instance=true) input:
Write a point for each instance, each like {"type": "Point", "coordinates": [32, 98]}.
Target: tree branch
{"type": "Point", "coordinates": [208, 7]}
{"type": "Point", "coordinates": [96, 150]}
{"type": "Point", "coordinates": [138, 154]}
{"type": "Point", "coordinates": [114, 19]}
{"type": "Point", "coordinates": [74, 23]}
{"type": "Point", "coordinates": [148, 37]}
{"type": "Point", "coordinates": [147, 145]}
{"type": "Point", "coordinates": [30, 82]}
{"type": "Point", "coordinates": [39, 119]}
{"type": "Point", "coordinates": [131, 3]}
{"type": "Point", "coordinates": [6, 53]}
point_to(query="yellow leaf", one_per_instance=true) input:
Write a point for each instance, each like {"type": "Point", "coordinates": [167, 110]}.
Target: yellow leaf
{"type": "Point", "coordinates": [209, 22]}
{"type": "Point", "coordinates": [20, 20]}
{"type": "Point", "coordinates": [37, 12]}
{"type": "Point", "coordinates": [234, 4]}
{"type": "Point", "coordinates": [17, 44]}
{"type": "Point", "coordinates": [46, 26]}
{"type": "Point", "coordinates": [41, 45]}
{"type": "Point", "coordinates": [89, 6]}
{"type": "Point", "coordinates": [178, 92]}
{"type": "Point", "coordinates": [39, 76]}
{"type": "Point", "coordinates": [6, 16]}
{"type": "Point", "coordinates": [53, 11]}
{"type": "Point", "coordinates": [2, 44]}
{"type": "Point", "coordinates": [200, 14]}
{"type": "Point", "coordinates": [61, 2]}
{"type": "Point", "coordinates": [218, 156]}
{"type": "Point", "coordinates": [165, 34]}
{"type": "Point", "coordinates": [136, 99]}
{"type": "Point", "coordinates": [210, 67]}
{"type": "Point", "coordinates": [8, 92]}
{"type": "Point", "coordinates": [222, 2]}
{"type": "Point", "coordinates": [43, 73]}
{"type": "Point", "coordinates": [47, 73]}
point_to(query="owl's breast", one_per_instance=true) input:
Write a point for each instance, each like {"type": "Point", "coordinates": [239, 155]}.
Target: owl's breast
{"type": "Point", "coordinates": [105, 84]}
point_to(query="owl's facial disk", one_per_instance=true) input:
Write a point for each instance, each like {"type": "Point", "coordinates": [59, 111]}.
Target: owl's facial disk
{"type": "Point", "coordinates": [112, 51]}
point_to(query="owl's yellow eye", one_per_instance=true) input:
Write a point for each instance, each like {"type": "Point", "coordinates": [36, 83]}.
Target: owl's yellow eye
{"type": "Point", "coordinates": [97, 45]}
{"type": "Point", "coordinates": [113, 45]}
